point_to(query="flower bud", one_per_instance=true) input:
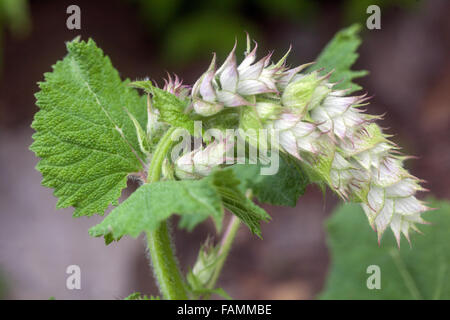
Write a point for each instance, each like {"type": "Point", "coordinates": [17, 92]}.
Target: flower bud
{"type": "Point", "coordinates": [298, 94]}
{"type": "Point", "coordinates": [268, 110]}
{"type": "Point", "coordinates": [200, 162]}
{"type": "Point", "coordinates": [205, 265]}
{"type": "Point", "coordinates": [176, 87]}
{"type": "Point", "coordinates": [206, 108]}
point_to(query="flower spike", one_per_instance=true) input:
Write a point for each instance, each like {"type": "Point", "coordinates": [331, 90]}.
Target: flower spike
{"type": "Point", "coordinates": [326, 129]}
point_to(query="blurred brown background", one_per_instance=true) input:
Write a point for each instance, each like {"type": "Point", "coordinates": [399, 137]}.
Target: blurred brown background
{"type": "Point", "coordinates": [409, 66]}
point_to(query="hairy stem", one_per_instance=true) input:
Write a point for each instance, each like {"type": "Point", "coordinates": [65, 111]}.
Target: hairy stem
{"type": "Point", "coordinates": [164, 263]}
{"type": "Point", "coordinates": [154, 170]}
{"type": "Point", "coordinates": [165, 266]}
{"type": "Point", "coordinates": [225, 246]}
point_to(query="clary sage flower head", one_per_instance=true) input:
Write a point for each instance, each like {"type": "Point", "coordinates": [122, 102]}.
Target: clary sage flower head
{"type": "Point", "coordinates": [232, 85]}
{"type": "Point", "coordinates": [325, 129]}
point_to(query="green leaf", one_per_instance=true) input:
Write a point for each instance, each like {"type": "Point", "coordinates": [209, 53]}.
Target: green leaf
{"type": "Point", "coordinates": [422, 271]}
{"type": "Point", "coordinates": [195, 200]}
{"type": "Point", "coordinates": [200, 291]}
{"type": "Point", "coordinates": [234, 199]}
{"type": "Point", "coordinates": [84, 137]}
{"type": "Point", "coordinates": [339, 55]}
{"type": "Point", "coordinates": [282, 189]}
{"type": "Point", "coordinates": [153, 203]}
{"type": "Point", "coordinates": [171, 108]}
{"type": "Point", "coordinates": [197, 288]}
{"type": "Point", "coordinates": [139, 296]}
{"type": "Point", "coordinates": [218, 291]}
{"type": "Point", "coordinates": [225, 119]}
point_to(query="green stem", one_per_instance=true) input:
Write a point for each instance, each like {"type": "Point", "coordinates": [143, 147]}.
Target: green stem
{"type": "Point", "coordinates": [407, 278]}
{"type": "Point", "coordinates": [164, 263]}
{"type": "Point", "coordinates": [225, 246]}
{"type": "Point", "coordinates": [154, 171]}
{"type": "Point", "coordinates": [165, 266]}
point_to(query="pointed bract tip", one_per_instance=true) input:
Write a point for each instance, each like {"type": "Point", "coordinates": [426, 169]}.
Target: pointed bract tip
{"type": "Point", "coordinates": [407, 238]}
{"type": "Point", "coordinates": [398, 238]}
{"type": "Point", "coordinates": [249, 45]}
{"type": "Point", "coordinates": [282, 61]}
{"type": "Point", "coordinates": [328, 75]}
{"type": "Point", "coordinates": [417, 230]}
{"type": "Point", "coordinates": [212, 65]}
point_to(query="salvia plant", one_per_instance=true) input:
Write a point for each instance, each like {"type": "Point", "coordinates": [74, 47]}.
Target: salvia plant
{"type": "Point", "coordinates": [94, 131]}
